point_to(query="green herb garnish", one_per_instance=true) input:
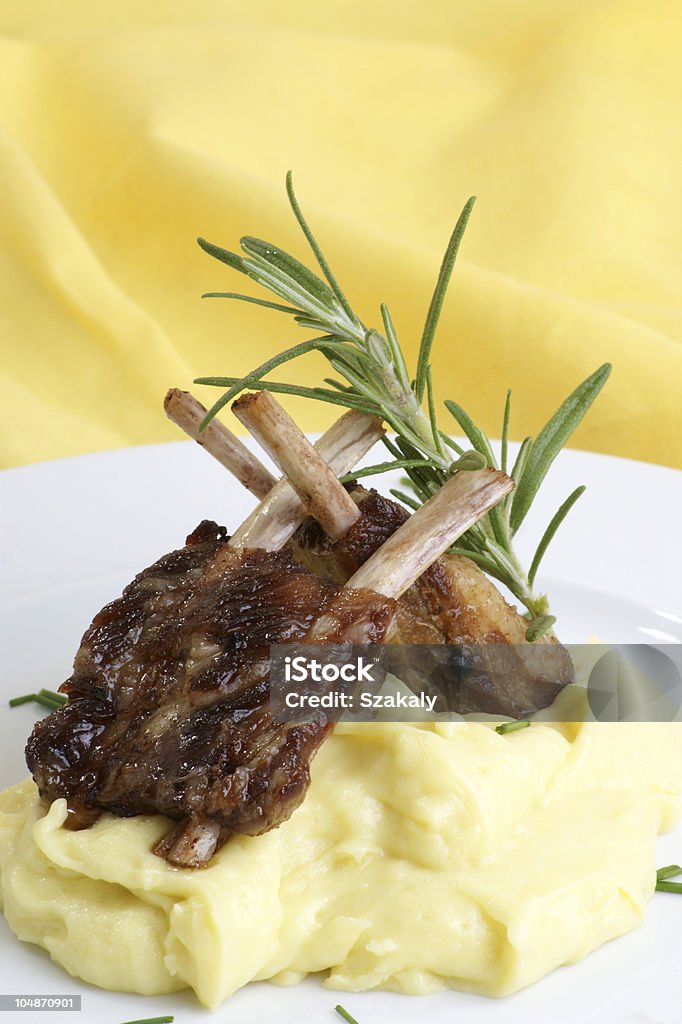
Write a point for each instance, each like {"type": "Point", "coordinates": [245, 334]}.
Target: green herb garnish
{"type": "Point", "coordinates": [152, 1020]}
{"type": "Point", "coordinates": [342, 1012]}
{"type": "Point", "coordinates": [48, 699]}
{"type": "Point", "coordinates": [506, 727]}
{"type": "Point", "coordinates": [662, 876]}
{"type": "Point", "coordinates": [16, 701]}
{"type": "Point", "coordinates": [53, 695]}
{"type": "Point", "coordinates": [372, 376]}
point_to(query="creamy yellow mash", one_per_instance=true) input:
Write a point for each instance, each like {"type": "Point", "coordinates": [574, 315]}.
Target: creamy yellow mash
{"type": "Point", "coordinates": [423, 857]}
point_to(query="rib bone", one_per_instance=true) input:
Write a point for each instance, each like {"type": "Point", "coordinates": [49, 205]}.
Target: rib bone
{"type": "Point", "coordinates": [308, 473]}
{"type": "Point", "coordinates": [184, 410]}
{"type": "Point", "coordinates": [427, 534]}
{"type": "Point", "coordinates": [191, 844]}
{"type": "Point", "coordinates": [415, 546]}
{"type": "Point", "coordinates": [278, 517]}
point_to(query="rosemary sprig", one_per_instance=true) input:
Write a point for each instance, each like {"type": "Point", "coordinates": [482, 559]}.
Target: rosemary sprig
{"type": "Point", "coordinates": [372, 376]}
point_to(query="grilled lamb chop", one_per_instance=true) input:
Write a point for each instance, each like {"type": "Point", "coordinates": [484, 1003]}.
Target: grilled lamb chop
{"type": "Point", "coordinates": [167, 696]}
{"type": "Point", "coordinates": [168, 701]}
{"type": "Point", "coordinates": [452, 602]}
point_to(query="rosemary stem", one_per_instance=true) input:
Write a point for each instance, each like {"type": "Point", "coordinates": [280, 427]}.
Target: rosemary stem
{"type": "Point", "coordinates": [422, 426]}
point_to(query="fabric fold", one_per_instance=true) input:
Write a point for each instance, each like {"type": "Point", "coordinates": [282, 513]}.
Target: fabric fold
{"type": "Point", "coordinates": [131, 129]}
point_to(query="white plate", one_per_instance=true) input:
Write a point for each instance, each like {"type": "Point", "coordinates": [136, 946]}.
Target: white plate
{"type": "Point", "coordinates": [73, 532]}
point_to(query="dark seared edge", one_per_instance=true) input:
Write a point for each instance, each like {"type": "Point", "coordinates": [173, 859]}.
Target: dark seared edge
{"type": "Point", "coordinates": [167, 710]}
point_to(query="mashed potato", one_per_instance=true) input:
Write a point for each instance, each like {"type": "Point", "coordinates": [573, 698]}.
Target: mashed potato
{"type": "Point", "coordinates": [423, 857]}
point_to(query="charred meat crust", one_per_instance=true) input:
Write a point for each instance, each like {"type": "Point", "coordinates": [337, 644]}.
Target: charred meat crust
{"type": "Point", "coordinates": [168, 700]}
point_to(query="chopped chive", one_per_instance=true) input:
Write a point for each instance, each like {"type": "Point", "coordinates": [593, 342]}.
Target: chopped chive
{"type": "Point", "coordinates": [47, 702]}
{"type": "Point", "coordinates": [669, 887]}
{"type": "Point", "coordinates": [59, 698]}
{"type": "Point", "coordinates": [152, 1020]}
{"type": "Point", "coordinates": [47, 698]}
{"type": "Point", "coordinates": [342, 1012]}
{"type": "Point", "coordinates": [16, 701]}
{"type": "Point", "coordinates": [672, 871]}
{"type": "Point", "coordinates": [506, 727]}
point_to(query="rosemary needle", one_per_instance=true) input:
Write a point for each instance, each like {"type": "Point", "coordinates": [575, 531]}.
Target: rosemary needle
{"type": "Point", "coordinates": [342, 1012]}
{"type": "Point", "coordinates": [372, 376]}
{"type": "Point", "coordinates": [506, 727]}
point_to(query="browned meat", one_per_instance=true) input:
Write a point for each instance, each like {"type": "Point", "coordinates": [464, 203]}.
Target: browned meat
{"type": "Point", "coordinates": [452, 602]}
{"type": "Point", "coordinates": [167, 709]}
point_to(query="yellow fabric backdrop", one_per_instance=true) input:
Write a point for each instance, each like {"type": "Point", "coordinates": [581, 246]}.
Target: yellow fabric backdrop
{"type": "Point", "coordinates": [127, 128]}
